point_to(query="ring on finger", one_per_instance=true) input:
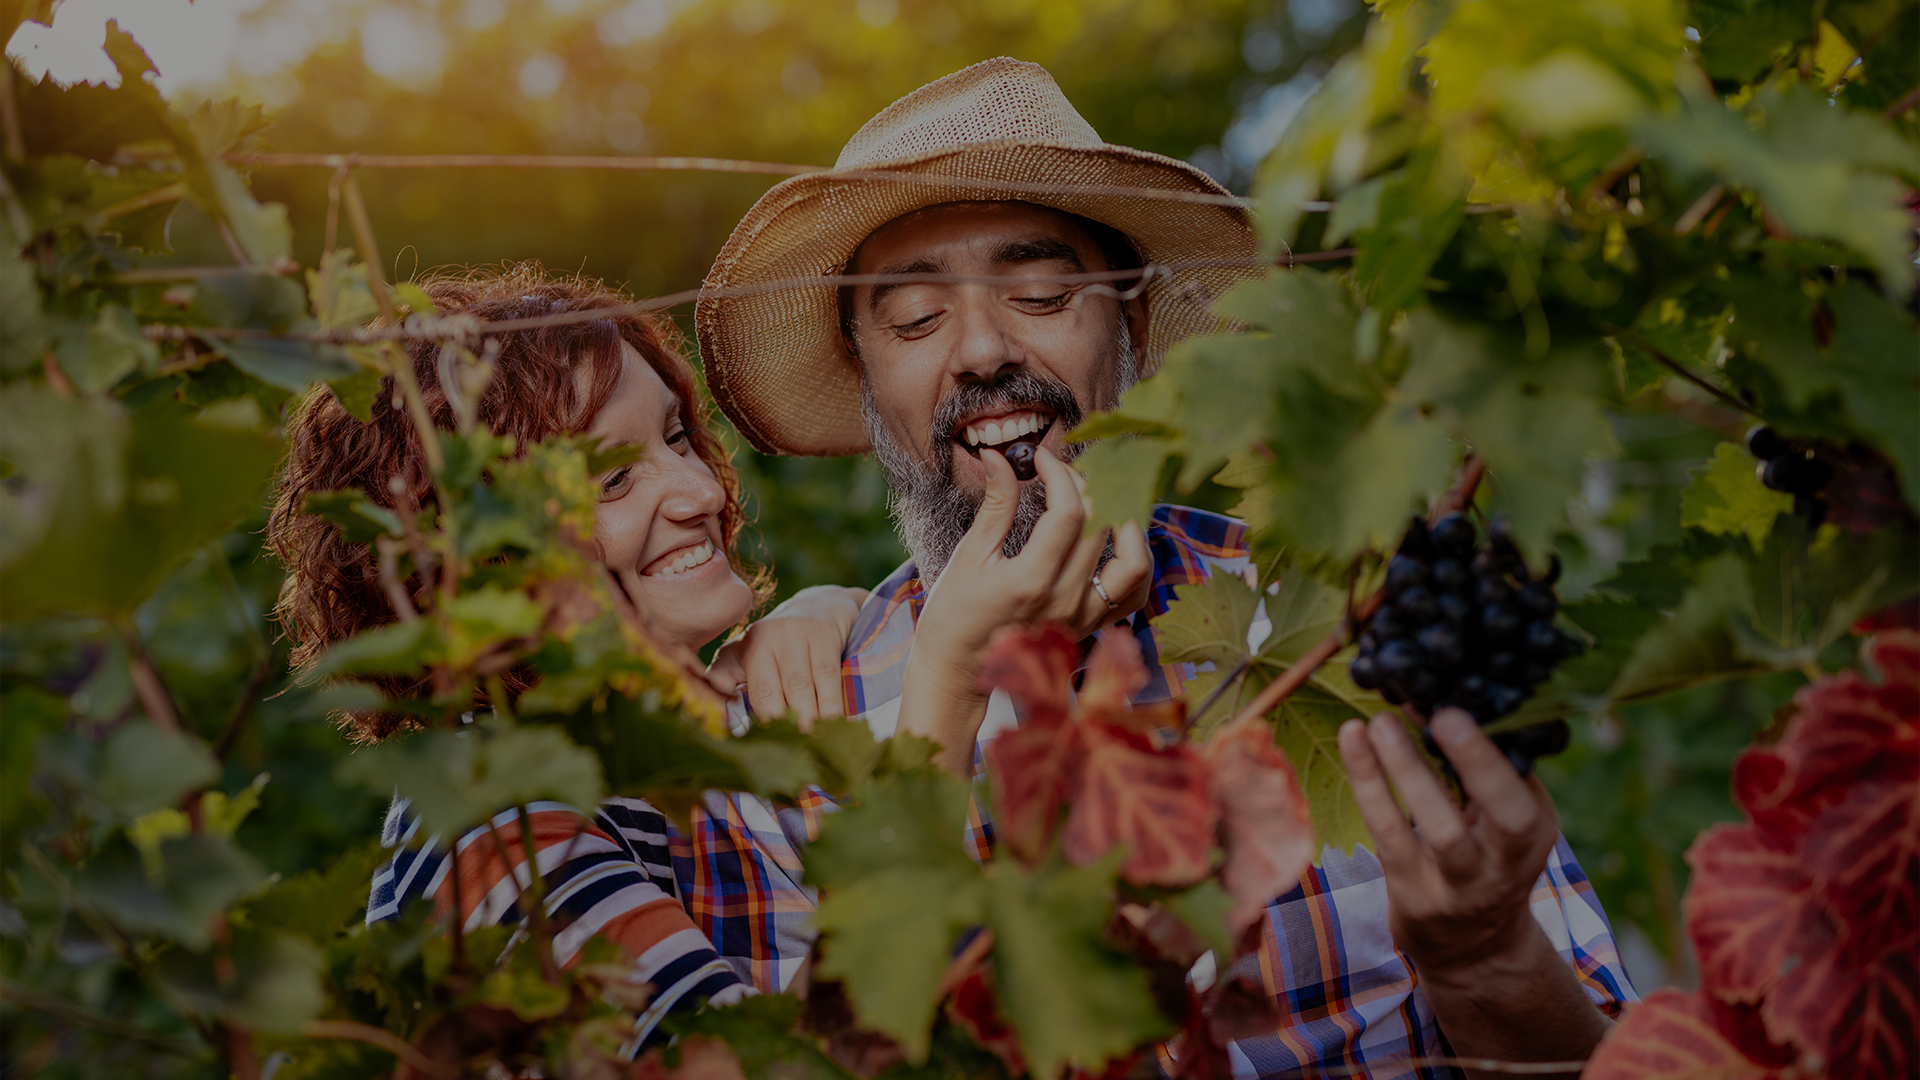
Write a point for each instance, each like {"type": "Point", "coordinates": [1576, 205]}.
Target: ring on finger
{"type": "Point", "coordinates": [1101, 591]}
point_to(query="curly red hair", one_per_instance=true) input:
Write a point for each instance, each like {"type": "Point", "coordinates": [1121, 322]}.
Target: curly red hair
{"type": "Point", "coordinates": [332, 589]}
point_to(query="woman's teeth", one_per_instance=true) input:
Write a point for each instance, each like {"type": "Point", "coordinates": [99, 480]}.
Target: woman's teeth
{"type": "Point", "coordinates": [686, 560]}
{"type": "Point", "coordinates": [1005, 429]}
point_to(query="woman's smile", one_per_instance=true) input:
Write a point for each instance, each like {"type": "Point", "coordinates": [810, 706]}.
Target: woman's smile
{"type": "Point", "coordinates": [682, 562]}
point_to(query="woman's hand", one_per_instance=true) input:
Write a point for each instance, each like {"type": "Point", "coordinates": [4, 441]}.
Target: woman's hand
{"type": "Point", "coordinates": [982, 590]}
{"type": "Point", "coordinates": [789, 661]}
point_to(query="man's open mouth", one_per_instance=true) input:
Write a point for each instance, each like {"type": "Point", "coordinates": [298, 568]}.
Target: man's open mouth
{"type": "Point", "coordinates": [1000, 432]}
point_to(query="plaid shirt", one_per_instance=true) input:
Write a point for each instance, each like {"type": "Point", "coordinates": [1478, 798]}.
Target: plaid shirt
{"type": "Point", "coordinates": [1346, 996]}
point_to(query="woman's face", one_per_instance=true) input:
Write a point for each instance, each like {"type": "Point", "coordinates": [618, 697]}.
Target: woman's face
{"type": "Point", "coordinates": [658, 523]}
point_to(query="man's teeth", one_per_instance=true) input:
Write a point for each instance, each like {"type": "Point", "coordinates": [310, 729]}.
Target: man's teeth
{"type": "Point", "coordinates": [686, 560]}
{"type": "Point", "coordinates": [1005, 429]}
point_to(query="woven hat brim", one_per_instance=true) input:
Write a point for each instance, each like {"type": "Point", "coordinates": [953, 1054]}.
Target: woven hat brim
{"type": "Point", "coordinates": [775, 361]}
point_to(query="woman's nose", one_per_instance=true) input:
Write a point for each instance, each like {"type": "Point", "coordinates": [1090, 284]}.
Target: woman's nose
{"type": "Point", "coordinates": [692, 491]}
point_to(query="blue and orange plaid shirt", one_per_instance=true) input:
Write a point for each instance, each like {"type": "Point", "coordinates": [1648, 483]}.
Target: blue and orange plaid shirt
{"type": "Point", "coordinates": [1346, 996]}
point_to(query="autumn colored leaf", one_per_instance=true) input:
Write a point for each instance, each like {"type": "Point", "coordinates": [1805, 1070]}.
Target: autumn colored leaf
{"type": "Point", "coordinates": [1152, 800]}
{"type": "Point", "coordinates": [1034, 772]}
{"type": "Point", "coordinates": [1114, 674]}
{"type": "Point", "coordinates": [1669, 1036]}
{"type": "Point", "coordinates": [1264, 825]}
{"type": "Point", "coordinates": [1747, 911]}
{"type": "Point", "coordinates": [1864, 858]}
{"type": "Point", "coordinates": [974, 1008]}
{"type": "Point", "coordinates": [1862, 1021]}
{"type": "Point", "coordinates": [1034, 665]}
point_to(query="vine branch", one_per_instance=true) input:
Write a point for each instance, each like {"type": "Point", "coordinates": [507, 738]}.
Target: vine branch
{"type": "Point", "coordinates": [1680, 369]}
{"type": "Point", "coordinates": [380, 1037]}
{"type": "Point", "coordinates": [1296, 676]}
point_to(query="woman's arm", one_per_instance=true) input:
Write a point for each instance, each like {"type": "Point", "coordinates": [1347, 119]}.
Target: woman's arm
{"type": "Point", "coordinates": [789, 661]}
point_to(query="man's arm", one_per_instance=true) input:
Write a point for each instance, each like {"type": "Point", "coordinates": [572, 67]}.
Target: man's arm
{"type": "Point", "coordinates": [1458, 890]}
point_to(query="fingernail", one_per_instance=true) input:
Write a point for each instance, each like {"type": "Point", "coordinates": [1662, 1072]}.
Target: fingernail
{"type": "Point", "coordinates": [1452, 727]}
{"type": "Point", "coordinates": [1387, 726]}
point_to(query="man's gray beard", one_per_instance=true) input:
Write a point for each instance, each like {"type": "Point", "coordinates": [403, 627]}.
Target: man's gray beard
{"type": "Point", "coordinates": [931, 512]}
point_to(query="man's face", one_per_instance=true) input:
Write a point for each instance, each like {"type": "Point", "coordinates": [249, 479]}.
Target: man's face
{"type": "Point", "coordinates": [953, 369]}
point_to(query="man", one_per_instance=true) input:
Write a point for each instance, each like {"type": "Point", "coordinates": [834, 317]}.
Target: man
{"type": "Point", "coordinates": [1478, 928]}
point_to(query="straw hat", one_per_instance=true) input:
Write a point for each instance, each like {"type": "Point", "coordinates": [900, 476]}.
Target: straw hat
{"type": "Point", "coordinates": [995, 131]}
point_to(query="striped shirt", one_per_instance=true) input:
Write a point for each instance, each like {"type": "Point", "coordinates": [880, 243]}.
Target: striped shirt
{"type": "Point", "coordinates": [1346, 995]}
{"type": "Point", "coordinates": [715, 916]}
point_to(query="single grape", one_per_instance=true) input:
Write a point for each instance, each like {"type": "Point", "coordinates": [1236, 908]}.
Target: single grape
{"type": "Point", "coordinates": [1503, 699]}
{"type": "Point", "coordinates": [1543, 641]}
{"type": "Point", "coordinates": [1403, 573]}
{"type": "Point", "coordinates": [1538, 600]}
{"type": "Point", "coordinates": [1455, 609]}
{"type": "Point", "coordinates": [1367, 643]}
{"type": "Point", "coordinates": [1392, 694]}
{"type": "Point", "coordinates": [1505, 665]}
{"type": "Point", "coordinates": [1417, 606]}
{"type": "Point", "coordinates": [1422, 685]}
{"type": "Point", "coordinates": [1451, 575]}
{"type": "Point", "coordinates": [1416, 541]}
{"type": "Point", "coordinates": [1765, 443]}
{"type": "Point", "coordinates": [1396, 660]}
{"type": "Point", "coordinates": [1471, 688]}
{"type": "Point", "coordinates": [1387, 625]}
{"type": "Point", "coordinates": [1501, 621]}
{"type": "Point", "coordinates": [1454, 535]}
{"type": "Point", "coordinates": [1020, 456]}
{"type": "Point", "coordinates": [1364, 673]}
{"type": "Point", "coordinates": [1493, 589]}
{"type": "Point", "coordinates": [1443, 644]}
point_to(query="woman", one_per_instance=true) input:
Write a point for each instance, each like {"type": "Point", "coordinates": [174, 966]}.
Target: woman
{"type": "Point", "coordinates": [716, 915]}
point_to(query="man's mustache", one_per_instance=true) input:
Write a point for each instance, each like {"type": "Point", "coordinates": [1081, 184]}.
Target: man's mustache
{"type": "Point", "coordinates": [1009, 393]}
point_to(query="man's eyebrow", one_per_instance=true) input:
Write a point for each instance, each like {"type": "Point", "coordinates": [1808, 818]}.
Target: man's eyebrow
{"type": "Point", "coordinates": [1039, 249]}
{"type": "Point", "coordinates": [917, 266]}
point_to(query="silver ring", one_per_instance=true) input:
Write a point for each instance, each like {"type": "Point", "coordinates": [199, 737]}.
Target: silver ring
{"type": "Point", "coordinates": [1101, 591]}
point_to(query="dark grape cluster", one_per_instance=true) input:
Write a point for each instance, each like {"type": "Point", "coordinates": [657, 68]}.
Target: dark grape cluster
{"type": "Point", "coordinates": [1795, 469]}
{"type": "Point", "coordinates": [1464, 624]}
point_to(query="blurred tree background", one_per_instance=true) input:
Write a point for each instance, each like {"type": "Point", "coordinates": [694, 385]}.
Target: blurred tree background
{"type": "Point", "coordinates": [1211, 81]}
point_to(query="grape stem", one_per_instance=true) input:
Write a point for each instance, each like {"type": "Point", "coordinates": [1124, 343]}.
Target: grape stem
{"type": "Point", "coordinates": [1296, 676]}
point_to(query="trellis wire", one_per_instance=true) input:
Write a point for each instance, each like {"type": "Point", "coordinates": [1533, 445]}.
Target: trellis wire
{"type": "Point", "coordinates": [465, 327]}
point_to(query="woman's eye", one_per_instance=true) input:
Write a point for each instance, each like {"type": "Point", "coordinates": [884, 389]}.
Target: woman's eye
{"type": "Point", "coordinates": [616, 483]}
{"type": "Point", "coordinates": [678, 438]}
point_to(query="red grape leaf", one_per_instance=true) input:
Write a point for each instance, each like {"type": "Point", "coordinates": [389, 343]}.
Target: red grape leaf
{"type": "Point", "coordinates": [1864, 858]}
{"type": "Point", "coordinates": [1114, 674]}
{"type": "Point", "coordinates": [1035, 771]}
{"type": "Point", "coordinates": [1862, 1022]}
{"type": "Point", "coordinates": [1747, 911]}
{"type": "Point", "coordinates": [973, 1007]}
{"type": "Point", "coordinates": [1669, 1036]}
{"type": "Point", "coordinates": [1153, 800]}
{"type": "Point", "coordinates": [1264, 825]}
{"type": "Point", "coordinates": [1849, 729]}
{"type": "Point", "coordinates": [1904, 615]}
{"type": "Point", "coordinates": [1034, 665]}
{"type": "Point", "coordinates": [1763, 786]}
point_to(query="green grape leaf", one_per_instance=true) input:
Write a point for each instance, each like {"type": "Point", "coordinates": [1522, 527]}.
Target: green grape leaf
{"type": "Point", "coordinates": [23, 334]}
{"type": "Point", "coordinates": [1807, 589]}
{"type": "Point", "coordinates": [97, 355]}
{"type": "Point", "coordinates": [760, 1032]}
{"type": "Point", "coordinates": [1535, 422]}
{"type": "Point", "coordinates": [1307, 730]}
{"type": "Point", "coordinates": [1207, 623]}
{"type": "Point", "coordinates": [355, 393]}
{"type": "Point", "coordinates": [1123, 476]}
{"type": "Point", "coordinates": [898, 888]}
{"type": "Point", "coordinates": [1420, 210]}
{"type": "Point", "coordinates": [413, 296]}
{"type": "Point", "coordinates": [1203, 908]}
{"type": "Point", "coordinates": [1357, 211]}
{"type": "Point", "coordinates": [1695, 646]}
{"type": "Point", "coordinates": [144, 768]}
{"type": "Point", "coordinates": [1739, 38]}
{"type": "Point", "coordinates": [202, 874]}
{"type": "Point", "coordinates": [481, 620]}
{"type": "Point", "coordinates": [1875, 358]}
{"type": "Point", "coordinates": [321, 903]}
{"type": "Point", "coordinates": [1070, 996]}
{"type": "Point", "coordinates": [268, 982]}
{"type": "Point", "coordinates": [393, 649]}
{"type": "Point", "coordinates": [1727, 499]}
{"type": "Point", "coordinates": [184, 481]}
{"type": "Point", "coordinates": [359, 520]}
{"type": "Point", "coordinates": [291, 364]}
{"type": "Point", "coordinates": [1615, 625]}
{"type": "Point", "coordinates": [459, 779]}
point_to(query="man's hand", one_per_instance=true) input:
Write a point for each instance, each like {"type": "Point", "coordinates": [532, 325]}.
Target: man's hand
{"type": "Point", "coordinates": [982, 590]}
{"type": "Point", "coordinates": [789, 661]}
{"type": "Point", "coordinates": [1458, 889]}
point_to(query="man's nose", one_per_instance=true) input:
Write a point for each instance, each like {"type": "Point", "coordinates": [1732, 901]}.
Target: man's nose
{"type": "Point", "coordinates": [985, 347]}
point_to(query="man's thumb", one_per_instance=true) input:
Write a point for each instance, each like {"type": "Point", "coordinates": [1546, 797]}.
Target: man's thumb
{"type": "Point", "coordinates": [996, 512]}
